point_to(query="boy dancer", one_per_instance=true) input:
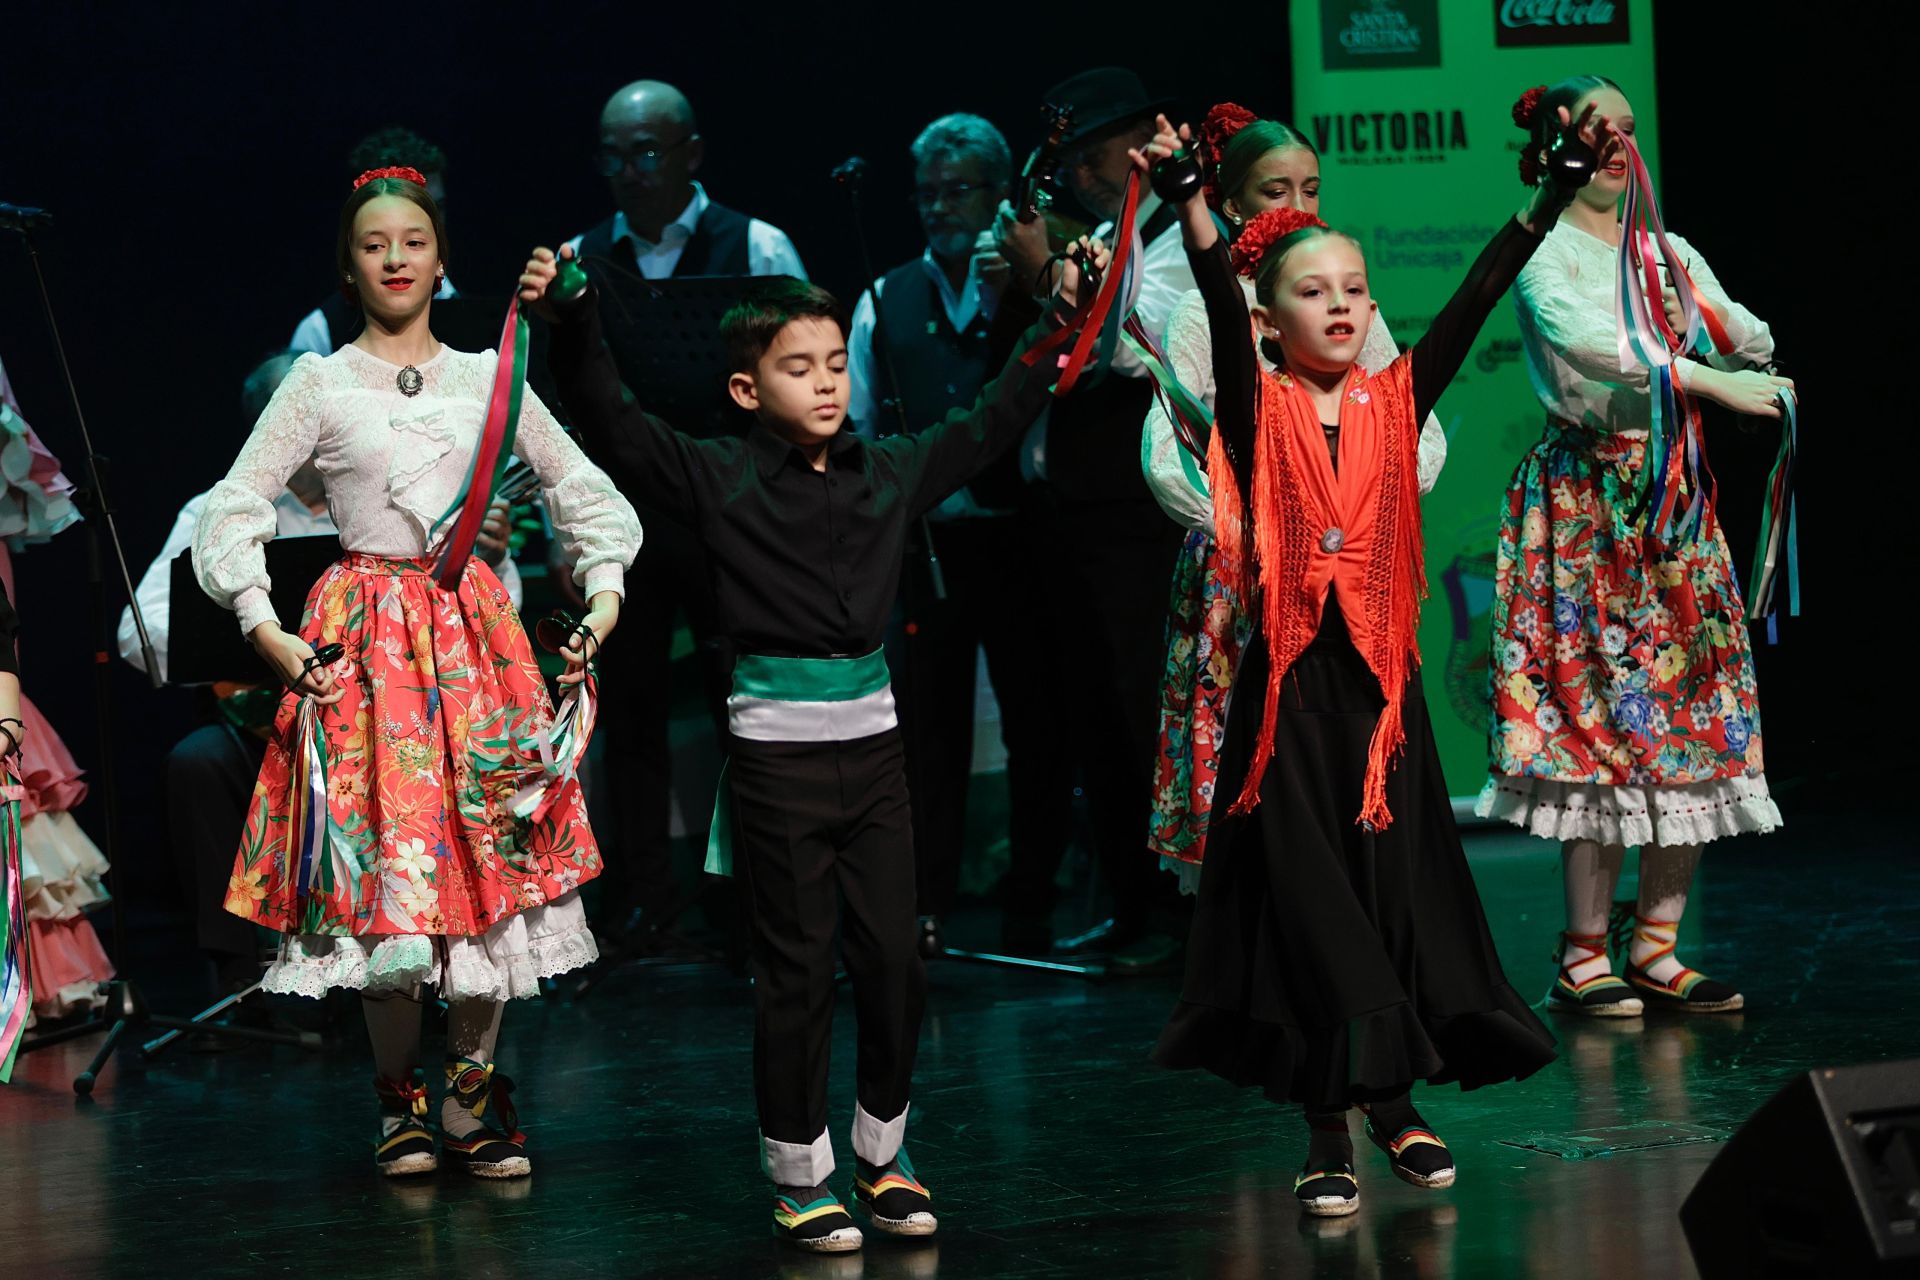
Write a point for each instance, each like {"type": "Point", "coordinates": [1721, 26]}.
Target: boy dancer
{"type": "Point", "coordinates": [805, 526]}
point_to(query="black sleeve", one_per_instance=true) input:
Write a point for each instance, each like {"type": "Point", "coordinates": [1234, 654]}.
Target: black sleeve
{"type": "Point", "coordinates": [933, 463]}
{"type": "Point", "coordinates": [650, 461]}
{"type": "Point", "coordinates": [1236, 371]}
{"type": "Point", "coordinates": [1439, 354]}
{"type": "Point", "coordinates": [9, 634]}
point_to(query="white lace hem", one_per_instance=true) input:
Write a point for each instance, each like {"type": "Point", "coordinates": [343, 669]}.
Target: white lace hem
{"type": "Point", "coordinates": [1692, 813]}
{"type": "Point", "coordinates": [506, 962]}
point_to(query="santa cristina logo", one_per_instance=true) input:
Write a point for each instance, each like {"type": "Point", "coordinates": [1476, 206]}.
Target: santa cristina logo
{"type": "Point", "coordinates": [1359, 35]}
{"type": "Point", "coordinates": [1537, 22]}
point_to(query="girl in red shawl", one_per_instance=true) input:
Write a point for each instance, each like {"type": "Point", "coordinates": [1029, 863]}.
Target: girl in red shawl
{"type": "Point", "coordinates": [1339, 951]}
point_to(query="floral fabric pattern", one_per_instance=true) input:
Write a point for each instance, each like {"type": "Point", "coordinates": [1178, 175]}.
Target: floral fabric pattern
{"type": "Point", "coordinates": [437, 732]}
{"type": "Point", "coordinates": [1617, 659]}
{"type": "Point", "coordinates": [1207, 630]}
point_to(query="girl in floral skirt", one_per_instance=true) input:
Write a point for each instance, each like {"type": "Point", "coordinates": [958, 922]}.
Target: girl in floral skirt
{"type": "Point", "coordinates": [1624, 705]}
{"type": "Point", "coordinates": [432, 718]}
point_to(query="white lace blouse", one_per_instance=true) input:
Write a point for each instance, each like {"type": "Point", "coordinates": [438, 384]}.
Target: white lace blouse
{"type": "Point", "coordinates": [1189, 347]}
{"type": "Point", "coordinates": [1565, 301]}
{"type": "Point", "coordinates": [393, 465]}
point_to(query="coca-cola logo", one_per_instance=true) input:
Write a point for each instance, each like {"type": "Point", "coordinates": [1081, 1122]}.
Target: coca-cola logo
{"type": "Point", "coordinates": [1522, 23]}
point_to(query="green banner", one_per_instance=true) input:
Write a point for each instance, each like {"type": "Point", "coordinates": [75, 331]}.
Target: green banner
{"type": "Point", "coordinates": [1410, 105]}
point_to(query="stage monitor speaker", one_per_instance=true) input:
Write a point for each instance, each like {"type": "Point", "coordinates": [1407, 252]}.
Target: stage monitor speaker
{"type": "Point", "coordinates": [1823, 1181]}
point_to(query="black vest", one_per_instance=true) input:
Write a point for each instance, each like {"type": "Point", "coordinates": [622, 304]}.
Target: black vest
{"type": "Point", "coordinates": [718, 246]}
{"type": "Point", "coordinates": [1093, 435]}
{"type": "Point", "coordinates": [940, 369]}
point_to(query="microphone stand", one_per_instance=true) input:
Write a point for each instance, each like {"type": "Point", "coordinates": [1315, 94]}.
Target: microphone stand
{"type": "Point", "coordinates": [848, 175]}
{"type": "Point", "coordinates": [125, 1006]}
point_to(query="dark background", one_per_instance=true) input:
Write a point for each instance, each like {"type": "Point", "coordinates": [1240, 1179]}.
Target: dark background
{"type": "Point", "coordinates": [196, 159]}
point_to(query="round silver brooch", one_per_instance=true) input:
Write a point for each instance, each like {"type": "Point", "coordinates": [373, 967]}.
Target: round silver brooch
{"type": "Point", "coordinates": [1332, 540]}
{"type": "Point", "coordinates": [410, 380]}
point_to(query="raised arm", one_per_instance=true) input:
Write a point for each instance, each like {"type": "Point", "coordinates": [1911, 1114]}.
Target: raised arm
{"type": "Point", "coordinates": [648, 459]}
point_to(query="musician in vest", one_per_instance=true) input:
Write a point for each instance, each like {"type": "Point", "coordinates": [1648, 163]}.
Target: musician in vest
{"type": "Point", "coordinates": [663, 225]}
{"type": "Point", "coordinates": [1110, 549]}
{"type": "Point", "coordinates": [934, 353]}
{"type": "Point", "coordinates": [337, 320]}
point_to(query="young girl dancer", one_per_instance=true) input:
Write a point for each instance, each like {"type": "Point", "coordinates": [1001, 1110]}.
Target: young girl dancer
{"type": "Point", "coordinates": [1339, 950]}
{"type": "Point", "coordinates": [1252, 165]}
{"type": "Point", "coordinates": [423, 871]}
{"type": "Point", "coordinates": [1624, 705]}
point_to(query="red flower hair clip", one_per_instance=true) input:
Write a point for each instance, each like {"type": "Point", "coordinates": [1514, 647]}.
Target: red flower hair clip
{"type": "Point", "coordinates": [1264, 232]}
{"type": "Point", "coordinates": [1216, 131]}
{"type": "Point", "coordinates": [1528, 106]}
{"type": "Point", "coordinates": [400, 171]}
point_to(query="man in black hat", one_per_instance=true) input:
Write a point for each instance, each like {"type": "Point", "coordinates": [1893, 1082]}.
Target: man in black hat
{"type": "Point", "coordinates": [1112, 549]}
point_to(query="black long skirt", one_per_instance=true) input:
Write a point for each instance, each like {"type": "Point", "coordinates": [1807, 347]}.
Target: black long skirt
{"type": "Point", "coordinates": [1328, 965]}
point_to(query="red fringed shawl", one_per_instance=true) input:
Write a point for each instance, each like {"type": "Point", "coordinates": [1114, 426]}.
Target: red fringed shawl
{"type": "Point", "coordinates": [1375, 565]}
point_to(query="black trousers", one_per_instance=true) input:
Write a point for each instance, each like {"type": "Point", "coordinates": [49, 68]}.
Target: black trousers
{"type": "Point", "coordinates": [210, 777]}
{"type": "Point", "coordinates": [817, 824]}
{"type": "Point", "coordinates": [994, 593]}
{"type": "Point", "coordinates": [667, 577]}
{"type": "Point", "coordinates": [1112, 565]}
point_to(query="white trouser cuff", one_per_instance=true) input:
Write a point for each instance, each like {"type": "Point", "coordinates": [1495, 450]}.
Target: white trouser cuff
{"type": "Point", "coordinates": [793, 1164]}
{"type": "Point", "coordinates": [878, 1141]}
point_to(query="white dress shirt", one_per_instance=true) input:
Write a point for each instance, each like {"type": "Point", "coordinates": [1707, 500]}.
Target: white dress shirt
{"type": "Point", "coordinates": [769, 251]}
{"type": "Point", "coordinates": [316, 335]}
{"type": "Point", "coordinates": [1165, 278]}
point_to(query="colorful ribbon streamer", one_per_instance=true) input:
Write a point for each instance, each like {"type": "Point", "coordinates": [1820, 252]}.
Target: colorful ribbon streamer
{"type": "Point", "coordinates": [490, 456]}
{"type": "Point", "coordinates": [307, 816]}
{"type": "Point", "coordinates": [16, 987]}
{"type": "Point", "coordinates": [1776, 554]}
{"type": "Point", "coordinates": [562, 748]}
{"type": "Point", "coordinates": [1088, 327]}
{"type": "Point", "coordinates": [1676, 442]}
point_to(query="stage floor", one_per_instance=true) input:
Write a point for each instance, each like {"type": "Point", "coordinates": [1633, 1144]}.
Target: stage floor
{"type": "Point", "coordinates": [1053, 1148]}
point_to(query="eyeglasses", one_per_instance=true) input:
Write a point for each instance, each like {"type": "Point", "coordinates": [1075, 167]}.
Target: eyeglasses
{"type": "Point", "coordinates": [949, 194]}
{"type": "Point", "coordinates": [610, 160]}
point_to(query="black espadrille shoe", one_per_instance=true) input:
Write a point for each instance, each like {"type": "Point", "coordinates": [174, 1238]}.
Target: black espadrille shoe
{"type": "Point", "coordinates": [1414, 1150]}
{"type": "Point", "coordinates": [1604, 995]}
{"type": "Point", "coordinates": [405, 1144]}
{"type": "Point", "coordinates": [812, 1218]}
{"type": "Point", "coordinates": [496, 1148]}
{"type": "Point", "coordinates": [1685, 989]}
{"type": "Point", "coordinates": [893, 1198]}
{"type": "Point", "coordinates": [1330, 1191]}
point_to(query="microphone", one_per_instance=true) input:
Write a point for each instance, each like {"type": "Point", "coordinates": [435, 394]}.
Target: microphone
{"type": "Point", "coordinates": [850, 171]}
{"type": "Point", "coordinates": [21, 217]}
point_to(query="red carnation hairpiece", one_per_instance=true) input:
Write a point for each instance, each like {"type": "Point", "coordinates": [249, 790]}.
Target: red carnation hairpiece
{"type": "Point", "coordinates": [1264, 232]}
{"type": "Point", "coordinates": [1524, 112]}
{"type": "Point", "coordinates": [400, 171]}
{"type": "Point", "coordinates": [1216, 131]}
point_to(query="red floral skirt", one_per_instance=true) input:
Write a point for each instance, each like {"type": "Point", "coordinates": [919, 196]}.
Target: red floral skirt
{"type": "Point", "coordinates": [438, 731]}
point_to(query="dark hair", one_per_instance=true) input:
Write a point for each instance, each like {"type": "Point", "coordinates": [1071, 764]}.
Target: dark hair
{"type": "Point", "coordinates": [1248, 145]}
{"type": "Point", "coordinates": [394, 145]}
{"type": "Point", "coordinates": [1276, 253]}
{"type": "Point", "coordinates": [751, 324]}
{"type": "Point", "coordinates": [372, 189]}
{"type": "Point", "coordinates": [1543, 125]}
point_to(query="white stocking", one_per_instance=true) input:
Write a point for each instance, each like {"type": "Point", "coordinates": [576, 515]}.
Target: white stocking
{"type": "Point", "coordinates": [1666, 874]}
{"type": "Point", "coordinates": [1592, 873]}
{"type": "Point", "coordinates": [473, 1031]}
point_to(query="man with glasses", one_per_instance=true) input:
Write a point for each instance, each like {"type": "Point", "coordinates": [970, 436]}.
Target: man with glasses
{"type": "Point", "coordinates": [664, 225]}
{"type": "Point", "coordinates": [1110, 550]}
{"type": "Point", "coordinates": [938, 341]}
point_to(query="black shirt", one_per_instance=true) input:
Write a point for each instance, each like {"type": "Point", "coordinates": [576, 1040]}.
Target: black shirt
{"type": "Point", "coordinates": [1436, 357]}
{"type": "Point", "coordinates": [805, 563]}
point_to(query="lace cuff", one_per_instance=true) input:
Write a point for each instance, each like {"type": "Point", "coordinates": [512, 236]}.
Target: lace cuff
{"type": "Point", "coordinates": [600, 530]}
{"type": "Point", "coordinates": [605, 577]}
{"type": "Point", "coordinates": [253, 607]}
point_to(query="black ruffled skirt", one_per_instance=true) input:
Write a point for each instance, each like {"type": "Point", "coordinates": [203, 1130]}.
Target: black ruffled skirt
{"type": "Point", "coordinates": [1327, 965]}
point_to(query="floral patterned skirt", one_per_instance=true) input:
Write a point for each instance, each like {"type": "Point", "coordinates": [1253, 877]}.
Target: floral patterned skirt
{"type": "Point", "coordinates": [1619, 660]}
{"type": "Point", "coordinates": [1206, 632]}
{"type": "Point", "coordinates": [438, 730]}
